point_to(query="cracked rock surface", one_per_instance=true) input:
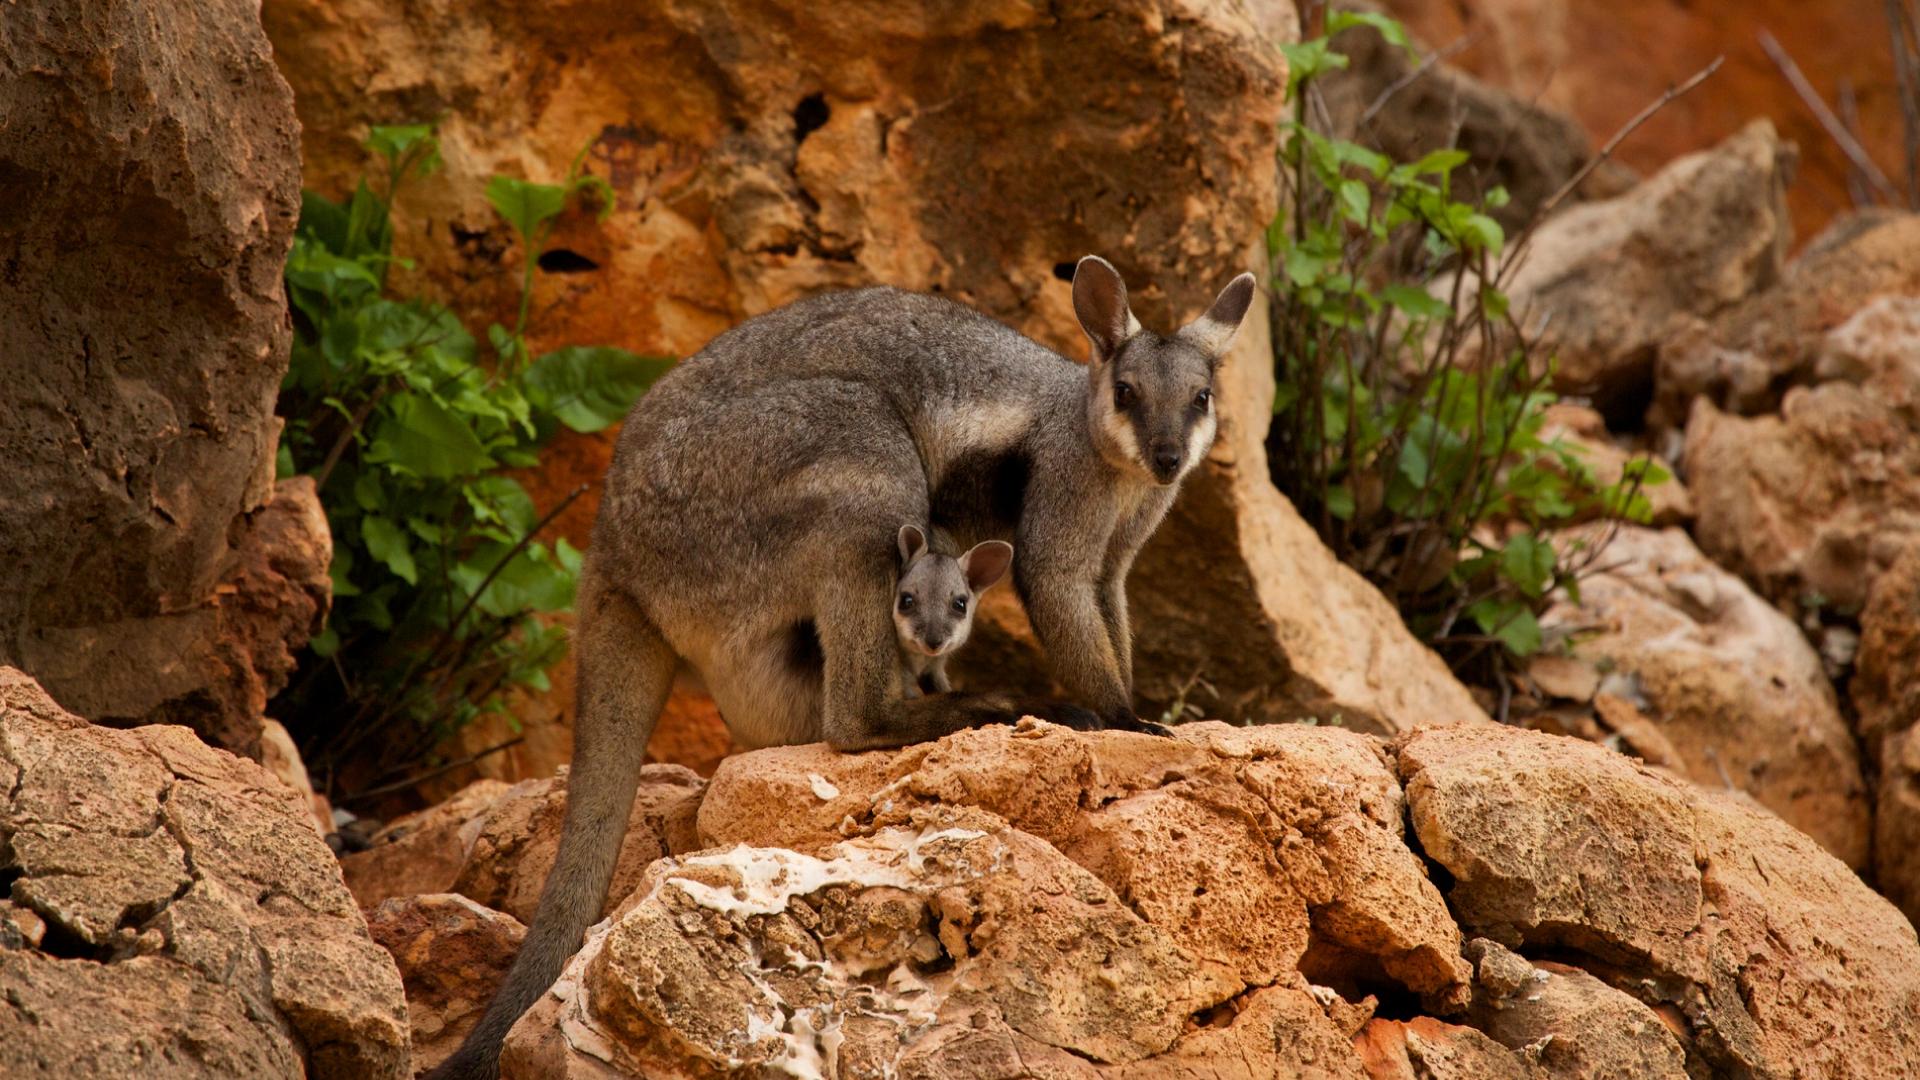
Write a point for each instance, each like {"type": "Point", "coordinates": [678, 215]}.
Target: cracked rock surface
{"type": "Point", "coordinates": [1464, 901]}
{"type": "Point", "coordinates": [172, 912]}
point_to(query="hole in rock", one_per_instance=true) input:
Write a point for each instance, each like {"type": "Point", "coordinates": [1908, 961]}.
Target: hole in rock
{"type": "Point", "coordinates": [1063, 271]}
{"type": "Point", "coordinates": [809, 116]}
{"type": "Point", "coordinates": [1354, 975]}
{"type": "Point", "coordinates": [565, 261]}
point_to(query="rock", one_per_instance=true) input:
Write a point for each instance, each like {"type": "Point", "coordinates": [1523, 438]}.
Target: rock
{"type": "Point", "coordinates": [1813, 504]}
{"type": "Point", "coordinates": [1710, 680]}
{"type": "Point", "coordinates": [1573, 1024]}
{"type": "Point", "coordinates": [765, 151]}
{"type": "Point", "coordinates": [1585, 431]}
{"type": "Point", "coordinates": [144, 333]}
{"type": "Point", "coordinates": [1607, 284]}
{"type": "Point", "coordinates": [177, 914]}
{"type": "Point", "coordinates": [453, 954]}
{"type": "Point", "coordinates": [281, 757]}
{"type": "Point", "coordinates": [1886, 696]}
{"type": "Point", "coordinates": [1262, 850]}
{"type": "Point", "coordinates": [1774, 340]}
{"type": "Point", "coordinates": [1779, 959]}
{"type": "Point", "coordinates": [938, 949]}
{"type": "Point", "coordinates": [494, 843]}
{"type": "Point", "coordinates": [1428, 1049]}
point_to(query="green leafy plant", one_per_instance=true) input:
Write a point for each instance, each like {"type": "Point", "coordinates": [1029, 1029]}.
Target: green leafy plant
{"type": "Point", "coordinates": [1410, 408]}
{"type": "Point", "coordinates": [442, 589]}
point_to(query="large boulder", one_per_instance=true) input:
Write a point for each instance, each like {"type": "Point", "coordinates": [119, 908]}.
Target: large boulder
{"type": "Point", "coordinates": [1233, 902]}
{"type": "Point", "coordinates": [453, 954]}
{"type": "Point", "coordinates": [762, 150]}
{"type": "Point", "coordinates": [153, 573]}
{"type": "Point", "coordinates": [1780, 961]}
{"type": "Point", "coordinates": [1608, 284]}
{"type": "Point", "coordinates": [1886, 698]}
{"type": "Point", "coordinates": [173, 913]}
{"type": "Point", "coordinates": [1812, 504]}
{"type": "Point", "coordinates": [494, 843]}
{"type": "Point", "coordinates": [1749, 356]}
{"type": "Point", "coordinates": [1687, 668]}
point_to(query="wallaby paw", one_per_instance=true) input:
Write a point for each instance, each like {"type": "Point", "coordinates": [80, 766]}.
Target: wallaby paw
{"type": "Point", "coordinates": [1127, 721]}
{"type": "Point", "coordinates": [1064, 713]}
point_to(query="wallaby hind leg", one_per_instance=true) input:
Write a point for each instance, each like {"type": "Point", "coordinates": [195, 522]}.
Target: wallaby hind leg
{"type": "Point", "coordinates": [625, 670]}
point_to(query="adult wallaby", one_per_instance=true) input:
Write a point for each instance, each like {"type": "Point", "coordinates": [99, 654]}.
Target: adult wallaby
{"type": "Point", "coordinates": [749, 526]}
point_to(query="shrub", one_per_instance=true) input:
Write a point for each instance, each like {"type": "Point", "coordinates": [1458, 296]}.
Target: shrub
{"type": "Point", "coordinates": [1410, 405]}
{"type": "Point", "coordinates": [442, 590]}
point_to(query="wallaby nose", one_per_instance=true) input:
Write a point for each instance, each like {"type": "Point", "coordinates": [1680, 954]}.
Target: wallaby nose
{"type": "Point", "coordinates": [1166, 461]}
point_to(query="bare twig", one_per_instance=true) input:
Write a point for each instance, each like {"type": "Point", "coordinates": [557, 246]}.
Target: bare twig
{"type": "Point", "coordinates": [1849, 145]}
{"type": "Point", "coordinates": [1427, 63]}
{"type": "Point", "coordinates": [421, 778]}
{"type": "Point", "coordinates": [1903, 20]}
{"type": "Point", "coordinates": [1513, 260]}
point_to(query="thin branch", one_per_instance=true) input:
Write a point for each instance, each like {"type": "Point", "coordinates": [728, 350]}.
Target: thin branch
{"type": "Point", "coordinates": [1427, 63]}
{"type": "Point", "coordinates": [1904, 23]}
{"type": "Point", "coordinates": [1837, 130]}
{"type": "Point", "coordinates": [421, 778]}
{"type": "Point", "coordinates": [1573, 183]}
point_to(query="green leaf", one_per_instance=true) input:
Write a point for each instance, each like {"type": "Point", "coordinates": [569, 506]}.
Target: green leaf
{"type": "Point", "coordinates": [283, 462]}
{"type": "Point", "coordinates": [325, 643]}
{"type": "Point", "coordinates": [590, 387]}
{"type": "Point", "coordinates": [1389, 29]}
{"type": "Point", "coordinates": [1416, 301]}
{"type": "Point", "coordinates": [1509, 622]}
{"type": "Point", "coordinates": [1356, 201]}
{"type": "Point", "coordinates": [419, 436]}
{"type": "Point", "coordinates": [1340, 501]}
{"type": "Point", "coordinates": [387, 542]}
{"type": "Point", "coordinates": [501, 499]}
{"type": "Point", "coordinates": [1484, 233]}
{"type": "Point", "coordinates": [392, 142]}
{"type": "Point", "coordinates": [524, 204]}
{"type": "Point", "coordinates": [1439, 162]}
{"type": "Point", "coordinates": [1528, 562]}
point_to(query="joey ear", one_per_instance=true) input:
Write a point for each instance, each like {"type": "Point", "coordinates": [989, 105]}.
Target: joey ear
{"type": "Point", "coordinates": [1213, 332]}
{"type": "Point", "coordinates": [912, 543]}
{"type": "Point", "coordinates": [1100, 302]}
{"type": "Point", "coordinates": [986, 563]}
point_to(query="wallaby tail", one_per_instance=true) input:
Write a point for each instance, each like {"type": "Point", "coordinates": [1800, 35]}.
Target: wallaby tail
{"type": "Point", "coordinates": [625, 670]}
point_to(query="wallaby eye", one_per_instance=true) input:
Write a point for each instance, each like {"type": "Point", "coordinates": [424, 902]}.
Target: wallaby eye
{"type": "Point", "coordinates": [1122, 395]}
{"type": "Point", "coordinates": [1202, 399]}
{"type": "Point", "coordinates": [906, 601]}
{"type": "Point", "coordinates": [959, 605]}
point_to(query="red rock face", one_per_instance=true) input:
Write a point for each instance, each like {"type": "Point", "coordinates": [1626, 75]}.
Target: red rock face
{"type": "Point", "coordinates": [152, 160]}
{"type": "Point", "coordinates": [1605, 62]}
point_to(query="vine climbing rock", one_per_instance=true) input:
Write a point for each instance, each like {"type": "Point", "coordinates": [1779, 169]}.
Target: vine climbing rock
{"type": "Point", "coordinates": [174, 913]}
{"type": "Point", "coordinates": [152, 161]}
{"type": "Point", "coordinates": [1029, 900]}
{"type": "Point", "coordinates": [753, 163]}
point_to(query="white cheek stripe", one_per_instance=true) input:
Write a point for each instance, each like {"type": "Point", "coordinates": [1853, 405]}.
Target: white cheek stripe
{"type": "Point", "coordinates": [1199, 441]}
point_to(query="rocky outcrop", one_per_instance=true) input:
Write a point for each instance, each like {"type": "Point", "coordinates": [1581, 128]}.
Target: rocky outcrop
{"type": "Point", "coordinates": [1811, 505]}
{"type": "Point", "coordinates": [453, 954]}
{"type": "Point", "coordinates": [1886, 697]}
{"type": "Point", "coordinates": [1605, 285]}
{"type": "Point", "coordinates": [154, 161]}
{"type": "Point", "coordinates": [1746, 359]}
{"type": "Point", "coordinates": [494, 843]}
{"type": "Point", "coordinates": [281, 757]}
{"type": "Point", "coordinates": [760, 151]}
{"type": "Point", "coordinates": [1685, 667]}
{"type": "Point", "coordinates": [173, 913]}
{"type": "Point", "coordinates": [1030, 900]}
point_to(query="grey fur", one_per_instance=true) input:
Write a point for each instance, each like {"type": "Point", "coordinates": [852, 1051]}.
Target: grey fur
{"type": "Point", "coordinates": [787, 452]}
{"type": "Point", "coordinates": [934, 602]}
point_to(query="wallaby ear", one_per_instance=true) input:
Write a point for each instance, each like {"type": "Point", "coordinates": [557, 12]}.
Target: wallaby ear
{"type": "Point", "coordinates": [912, 543]}
{"type": "Point", "coordinates": [1100, 301]}
{"type": "Point", "coordinates": [986, 563]}
{"type": "Point", "coordinates": [1213, 332]}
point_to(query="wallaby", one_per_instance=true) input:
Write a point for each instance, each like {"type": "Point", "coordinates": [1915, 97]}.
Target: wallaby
{"type": "Point", "coordinates": [749, 527]}
{"type": "Point", "coordinates": [934, 602]}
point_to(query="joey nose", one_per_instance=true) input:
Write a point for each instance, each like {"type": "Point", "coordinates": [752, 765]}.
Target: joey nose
{"type": "Point", "coordinates": [1166, 462]}
{"type": "Point", "coordinates": [935, 641]}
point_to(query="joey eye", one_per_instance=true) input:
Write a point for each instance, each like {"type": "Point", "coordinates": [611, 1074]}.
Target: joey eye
{"type": "Point", "coordinates": [1202, 399]}
{"type": "Point", "coordinates": [906, 601]}
{"type": "Point", "coordinates": [1122, 395]}
{"type": "Point", "coordinates": [959, 605]}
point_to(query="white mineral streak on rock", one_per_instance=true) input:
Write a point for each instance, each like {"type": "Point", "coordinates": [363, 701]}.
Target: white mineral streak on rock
{"type": "Point", "coordinates": [823, 788]}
